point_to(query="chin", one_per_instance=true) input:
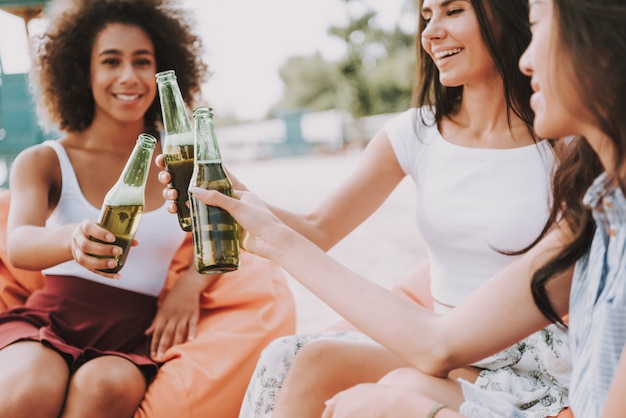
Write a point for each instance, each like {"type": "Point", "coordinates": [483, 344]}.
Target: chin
{"type": "Point", "coordinates": [549, 132]}
{"type": "Point", "coordinates": [541, 131]}
{"type": "Point", "coordinates": [449, 81]}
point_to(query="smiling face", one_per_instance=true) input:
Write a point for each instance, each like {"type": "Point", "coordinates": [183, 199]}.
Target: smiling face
{"type": "Point", "coordinates": [559, 110]}
{"type": "Point", "coordinates": [453, 40]}
{"type": "Point", "coordinates": [123, 69]}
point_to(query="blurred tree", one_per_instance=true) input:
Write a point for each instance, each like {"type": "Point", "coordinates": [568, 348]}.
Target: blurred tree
{"type": "Point", "coordinates": [374, 76]}
{"type": "Point", "coordinates": [310, 82]}
{"type": "Point", "coordinates": [391, 83]}
{"type": "Point", "coordinates": [362, 37]}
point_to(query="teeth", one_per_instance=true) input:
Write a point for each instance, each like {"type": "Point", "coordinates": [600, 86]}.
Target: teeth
{"type": "Point", "coordinates": [448, 52]}
{"type": "Point", "coordinates": [127, 97]}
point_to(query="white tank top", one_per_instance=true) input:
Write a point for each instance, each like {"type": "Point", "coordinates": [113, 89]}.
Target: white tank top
{"type": "Point", "coordinates": [147, 264]}
{"type": "Point", "coordinates": [471, 202]}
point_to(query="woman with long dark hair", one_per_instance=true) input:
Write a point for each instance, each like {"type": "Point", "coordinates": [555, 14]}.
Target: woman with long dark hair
{"type": "Point", "coordinates": [482, 180]}
{"type": "Point", "coordinates": [576, 65]}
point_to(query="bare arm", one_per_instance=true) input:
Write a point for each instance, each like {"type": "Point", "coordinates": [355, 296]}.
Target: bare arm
{"type": "Point", "coordinates": [352, 202]}
{"type": "Point", "coordinates": [31, 245]}
{"type": "Point", "coordinates": [482, 325]}
{"type": "Point", "coordinates": [375, 400]}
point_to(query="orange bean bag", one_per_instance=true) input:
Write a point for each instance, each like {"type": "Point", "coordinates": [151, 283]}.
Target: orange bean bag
{"type": "Point", "coordinates": [240, 314]}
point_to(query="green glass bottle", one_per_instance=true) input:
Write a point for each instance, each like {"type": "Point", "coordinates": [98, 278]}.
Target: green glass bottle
{"type": "Point", "coordinates": [123, 204]}
{"type": "Point", "coordinates": [215, 231]}
{"type": "Point", "coordinates": [178, 144]}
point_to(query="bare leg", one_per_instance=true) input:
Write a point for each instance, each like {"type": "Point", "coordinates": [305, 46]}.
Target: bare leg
{"type": "Point", "coordinates": [324, 367]}
{"type": "Point", "coordinates": [33, 381]}
{"type": "Point", "coordinates": [109, 386]}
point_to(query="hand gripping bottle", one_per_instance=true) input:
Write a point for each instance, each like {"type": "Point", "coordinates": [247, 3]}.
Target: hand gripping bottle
{"type": "Point", "coordinates": [214, 230]}
{"type": "Point", "coordinates": [178, 144]}
{"type": "Point", "coordinates": [123, 204]}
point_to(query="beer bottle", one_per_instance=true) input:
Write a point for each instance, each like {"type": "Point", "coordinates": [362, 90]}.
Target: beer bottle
{"type": "Point", "coordinates": [214, 230]}
{"type": "Point", "coordinates": [178, 144]}
{"type": "Point", "coordinates": [123, 204]}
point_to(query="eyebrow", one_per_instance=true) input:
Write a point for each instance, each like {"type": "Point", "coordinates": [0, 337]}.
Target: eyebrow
{"type": "Point", "coordinates": [443, 4]}
{"type": "Point", "coordinates": [118, 52]}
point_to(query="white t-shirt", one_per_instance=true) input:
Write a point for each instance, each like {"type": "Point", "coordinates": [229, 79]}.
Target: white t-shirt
{"type": "Point", "coordinates": [471, 202]}
{"type": "Point", "coordinates": [147, 265]}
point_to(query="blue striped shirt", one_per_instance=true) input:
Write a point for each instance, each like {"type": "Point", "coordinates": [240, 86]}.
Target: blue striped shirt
{"type": "Point", "coordinates": [598, 302]}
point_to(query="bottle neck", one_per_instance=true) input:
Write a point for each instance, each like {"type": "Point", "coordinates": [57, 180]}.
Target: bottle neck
{"type": "Point", "coordinates": [206, 149]}
{"type": "Point", "coordinates": [173, 109]}
{"type": "Point", "coordinates": [135, 173]}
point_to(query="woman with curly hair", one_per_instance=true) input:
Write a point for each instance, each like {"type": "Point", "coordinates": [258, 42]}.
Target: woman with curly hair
{"type": "Point", "coordinates": [116, 345]}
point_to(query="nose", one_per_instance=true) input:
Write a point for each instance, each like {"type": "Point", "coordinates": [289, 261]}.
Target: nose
{"type": "Point", "coordinates": [525, 64]}
{"type": "Point", "coordinates": [128, 74]}
{"type": "Point", "coordinates": [433, 30]}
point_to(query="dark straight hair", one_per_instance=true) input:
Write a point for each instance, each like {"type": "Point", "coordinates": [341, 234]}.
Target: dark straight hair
{"type": "Point", "coordinates": [592, 40]}
{"type": "Point", "coordinates": [506, 33]}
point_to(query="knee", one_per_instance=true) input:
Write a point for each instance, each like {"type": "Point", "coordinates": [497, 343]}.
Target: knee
{"type": "Point", "coordinates": [281, 350]}
{"type": "Point", "coordinates": [302, 352]}
{"type": "Point", "coordinates": [32, 379]}
{"type": "Point", "coordinates": [42, 394]}
{"type": "Point", "coordinates": [108, 384]}
{"type": "Point", "coordinates": [324, 352]}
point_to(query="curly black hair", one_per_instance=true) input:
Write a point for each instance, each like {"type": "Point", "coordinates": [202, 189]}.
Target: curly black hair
{"type": "Point", "coordinates": [60, 79]}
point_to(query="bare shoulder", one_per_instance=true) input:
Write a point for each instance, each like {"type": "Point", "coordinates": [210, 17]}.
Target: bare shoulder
{"type": "Point", "coordinates": [36, 164]}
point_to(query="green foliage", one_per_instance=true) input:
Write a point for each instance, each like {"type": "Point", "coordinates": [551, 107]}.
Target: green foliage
{"type": "Point", "coordinates": [374, 76]}
{"type": "Point", "coordinates": [392, 82]}
{"type": "Point", "coordinates": [310, 83]}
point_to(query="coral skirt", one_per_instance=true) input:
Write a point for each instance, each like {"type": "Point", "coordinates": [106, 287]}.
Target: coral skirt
{"type": "Point", "coordinates": [83, 320]}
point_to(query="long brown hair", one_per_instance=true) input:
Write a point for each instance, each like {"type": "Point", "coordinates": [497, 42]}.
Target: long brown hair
{"type": "Point", "coordinates": [592, 36]}
{"type": "Point", "coordinates": [506, 33]}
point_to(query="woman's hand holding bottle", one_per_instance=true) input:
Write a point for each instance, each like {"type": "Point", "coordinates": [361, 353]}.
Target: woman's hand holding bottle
{"type": "Point", "coordinates": [95, 255]}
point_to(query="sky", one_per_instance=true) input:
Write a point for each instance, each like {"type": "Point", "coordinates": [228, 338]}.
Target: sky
{"type": "Point", "coordinates": [247, 41]}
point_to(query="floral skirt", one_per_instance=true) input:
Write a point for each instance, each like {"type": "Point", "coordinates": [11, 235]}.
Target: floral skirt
{"type": "Point", "coordinates": [530, 378]}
